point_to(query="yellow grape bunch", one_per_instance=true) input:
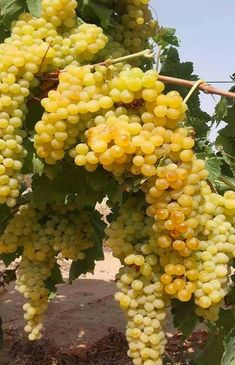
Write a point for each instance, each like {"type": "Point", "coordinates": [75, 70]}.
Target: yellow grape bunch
{"type": "Point", "coordinates": [85, 93]}
{"type": "Point", "coordinates": [141, 294]}
{"type": "Point", "coordinates": [44, 234]}
{"type": "Point", "coordinates": [36, 46]}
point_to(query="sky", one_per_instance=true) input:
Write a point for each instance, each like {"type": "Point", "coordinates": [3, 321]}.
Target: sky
{"type": "Point", "coordinates": [206, 30]}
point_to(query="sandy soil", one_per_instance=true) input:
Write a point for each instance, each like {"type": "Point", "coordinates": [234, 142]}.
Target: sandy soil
{"type": "Point", "coordinates": [81, 313]}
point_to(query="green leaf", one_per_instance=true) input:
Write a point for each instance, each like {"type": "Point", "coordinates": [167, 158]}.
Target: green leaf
{"type": "Point", "coordinates": [85, 187]}
{"type": "Point", "coordinates": [34, 7]}
{"type": "Point", "coordinates": [1, 333]}
{"type": "Point", "coordinates": [99, 226]}
{"type": "Point", "coordinates": [228, 131]}
{"type": "Point", "coordinates": [226, 321]}
{"type": "Point", "coordinates": [92, 11]}
{"type": "Point", "coordinates": [221, 110]}
{"type": "Point", "coordinates": [5, 215]}
{"type": "Point", "coordinates": [213, 165]}
{"type": "Point", "coordinates": [212, 353]}
{"type": "Point", "coordinates": [35, 112]}
{"type": "Point", "coordinates": [10, 10]}
{"type": "Point", "coordinates": [184, 316]}
{"type": "Point", "coordinates": [32, 163]}
{"type": "Point", "coordinates": [87, 265]}
{"type": "Point", "coordinates": [94, 253]}
{"type": "Point", "coordinates": [216, 344]}
{"type": "Point", "coordinates": [9, 276]}
{"type": "Point", "coordinates": [229, 354]}
{"type": "Point", "coordinates": [8, 258]}
{"type": "Point", "coordinates": [55, 279]}
{"type": "Point", "coordinates": [4, 33]}
{"type": "Point", "coordinates": [165, 37]}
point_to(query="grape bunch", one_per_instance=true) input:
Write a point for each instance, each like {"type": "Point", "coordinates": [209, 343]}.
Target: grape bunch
{"type": "Point", "coordinates": [86, 93]}
{"type": "Point", "coordinates": [44, 234]}
{"type": "Point", "coordinates": [36, 46]}
{"type": "Point", "coordinates": [133, 24]}
{"type": "Point", "coordinates": [141, 294]}
{"type": "Point", "coordinates": [20, 61]}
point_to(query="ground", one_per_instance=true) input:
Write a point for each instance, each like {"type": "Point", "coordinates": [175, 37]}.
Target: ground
{"type": "Point", "coordinates": [83, 325]}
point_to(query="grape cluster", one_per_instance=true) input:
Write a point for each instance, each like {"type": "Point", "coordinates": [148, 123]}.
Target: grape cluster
{"type": "Point", "coordinates": [141, 294]}
{"type": "Point", "coordinates": [31, 277]}
{"type": "Point", "coordinates": [59, 12]}
{"type": "Point", "coordinates": [133, 24]}
{"type": "Point", "coordinates": [21, 59]}
{"type": "Point", "coordinates": [35, 46]}
{"type": "Point", "coordinates": [43, 233]}
{"type": "Point", "coordinates": [84, 91]}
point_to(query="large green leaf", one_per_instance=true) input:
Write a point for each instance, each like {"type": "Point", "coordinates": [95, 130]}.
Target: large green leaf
{"type": "Point", "coordinates": [94, 12]}
{"type": "Point", "coordinates": [229, 354]}
{"type": "Point", "coordinates": [221, 110]}
{"type": "Point", "coordinates": [54, 279]}
{"type": "Point", "coordinates": [165, 37]}
{"type": "Point", "coordinates": [94, 253]}
{"type": "Point", "coordinates": [3, 32]}
{"type": "Point", "coordinates": [229, 130]}
{"type": "Point", "coordinates": [10, 10]}
{"type": "Point", "coordinates": [213, 351]}
{"type": "Point", "coordinates": [34, 7]}
{"type": "Point", "coordinates": [218, 339]}
{"type": "Point", "coordinates": [85, 187]}
{"type": "Point", "coordinates": [8, 258]}
{"type": "Point", "coordinates": [88, 264]}
{"type": "Point", "coordinates": [213, 165]}
{"type": "Point", "coordinates": [184, 316]}
{"type": "Point", "coordinates": [35, 112]}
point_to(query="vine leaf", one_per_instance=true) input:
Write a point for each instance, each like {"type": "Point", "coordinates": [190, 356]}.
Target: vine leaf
{"type": "Point", "coordinates": [90, 9]}
{"type": "Point", "coordinates": [218, 337]}
{"type": "Point", "coordinates": [229, 354]}
{"type": "Point", "coordinates": [3, 32]}
{"type": "Point", "coordinates": [55, 279]}
{"type": "Point", "coordinates": [10, 10]}
{"type": "Point", "coordinates": [32, 163]}
{"type": "Point", "coordinates": [9, 276]}
{"type": "Point", "coordinates": [85, 187]}
{"type": "Point", "coordinates": [94, 253]}
{"type": "Point", "coordinates": [184, 317]}
{"type": "Point", "coordinates": [213, 166]}
{"type": "Point", "coordinates": [35, 112]}
{"type": "Point", "coordinates": [212, 352]}
{"type": "Point", "coordinates": [34, 7]}
{"type": "Point", "coordinates": [165, 37]}
{"type": "Point", "coordinates": [221, 110]}
{"type": "Point", "coordinates": [8, 258]}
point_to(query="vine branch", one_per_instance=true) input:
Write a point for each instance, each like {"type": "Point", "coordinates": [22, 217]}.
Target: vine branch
{"type": "Point", "coordinates": [206, 88]}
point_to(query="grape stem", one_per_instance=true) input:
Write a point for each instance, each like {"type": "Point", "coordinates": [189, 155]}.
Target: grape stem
{"type": "Point", "coordinates": [195, 86]}
{"type": "Point", "coordinates": [158, 58]}
{"type": "Point", "coordinates": [206, 88]}
{"type": "Point", "coordinates": [148, 53]}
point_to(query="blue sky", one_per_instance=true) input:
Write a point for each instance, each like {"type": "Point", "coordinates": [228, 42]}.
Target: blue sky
{"type": "Point", "coordinates": [206, 30]}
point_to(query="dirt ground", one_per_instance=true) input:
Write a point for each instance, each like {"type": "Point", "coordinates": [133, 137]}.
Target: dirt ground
{"type": "Point", "coordinates": [83, 325]}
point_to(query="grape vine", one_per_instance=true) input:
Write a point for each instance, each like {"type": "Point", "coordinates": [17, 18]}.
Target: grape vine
{"type": "Point", "coordinates": [84, 115]}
